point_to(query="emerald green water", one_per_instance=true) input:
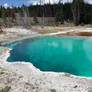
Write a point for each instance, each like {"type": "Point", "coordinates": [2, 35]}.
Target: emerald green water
{"type": "Point", "coordinates": [53, 53]}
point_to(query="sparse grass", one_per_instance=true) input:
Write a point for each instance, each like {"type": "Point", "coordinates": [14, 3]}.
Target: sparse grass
{"type": "Point", "coordinates": [82, 24]}
{"type": "Point", "coordinates": [49, 31]}
{"type": "Point", "coordinates": [53, 90]}
{"type": "Point", "coordinates": [66, 25]}
{"type": "Point", "coordinates": [75, 86]}
{"type": "Point", "coordinates": [1, 73]}
{"type": "Point", "coordinates": [20, 76]}
{"type": "Point", "coordinates": [3, 33]}
{"type": "Point", "coordinates": [6, 89]}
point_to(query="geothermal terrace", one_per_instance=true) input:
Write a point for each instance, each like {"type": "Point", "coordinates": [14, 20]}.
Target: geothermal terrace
{"type": "Point", "coordinates": [24, 77]}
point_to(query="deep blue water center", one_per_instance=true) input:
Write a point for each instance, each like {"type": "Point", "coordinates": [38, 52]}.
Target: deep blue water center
{"type": "Point", "coordinates": [54, 53]}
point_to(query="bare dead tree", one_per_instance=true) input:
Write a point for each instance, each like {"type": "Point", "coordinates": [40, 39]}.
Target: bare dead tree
{"type": "Point", "coordinates": [76, 11]}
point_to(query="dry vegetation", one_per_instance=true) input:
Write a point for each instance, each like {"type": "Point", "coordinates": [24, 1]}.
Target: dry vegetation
{"type": "Point", "coordinates": [89, 34]}
{"type": "Point", "coordinates": [44, 31]}
{"type": "Point", "coordinates": [12, 82]}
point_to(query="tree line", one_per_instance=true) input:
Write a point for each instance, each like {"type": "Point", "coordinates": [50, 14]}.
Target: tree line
{"type": "Point", "coordinates": [76, 12]}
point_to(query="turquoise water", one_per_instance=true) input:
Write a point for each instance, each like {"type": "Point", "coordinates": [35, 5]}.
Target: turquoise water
{"type": "Point", "coordinates": [53, 53]}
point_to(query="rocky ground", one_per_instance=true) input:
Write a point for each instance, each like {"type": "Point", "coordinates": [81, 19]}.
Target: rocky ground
{"type": "Point", "coordinates": [24, 77]}
{"type": "Point", "coordinates": [11, 82]}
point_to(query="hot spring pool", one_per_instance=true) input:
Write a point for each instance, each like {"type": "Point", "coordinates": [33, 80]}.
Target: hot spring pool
{"type": "Point", "coordinates": [54, 53]}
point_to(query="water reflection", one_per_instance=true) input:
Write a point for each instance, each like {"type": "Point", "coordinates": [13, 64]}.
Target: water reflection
{"type": "Point", "coordinates": [58, 54]}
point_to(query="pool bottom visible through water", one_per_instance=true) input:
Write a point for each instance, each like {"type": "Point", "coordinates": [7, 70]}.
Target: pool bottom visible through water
{"type": "Point", "coordinates": [55, 53]}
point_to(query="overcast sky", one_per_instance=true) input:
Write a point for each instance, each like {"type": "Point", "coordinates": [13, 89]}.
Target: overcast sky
{"type": "Point", "coordinates": [10, 3]}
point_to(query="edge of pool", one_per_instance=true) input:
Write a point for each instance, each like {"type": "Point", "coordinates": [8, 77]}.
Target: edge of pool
{"type": "Point", "coordinates": [6, 53]}
{"type": "Point", "coordinates": [33, 75]}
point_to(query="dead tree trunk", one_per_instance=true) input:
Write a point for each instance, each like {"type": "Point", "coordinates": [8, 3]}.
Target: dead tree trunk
{"type": "Point", "coordinates": [76, 11]}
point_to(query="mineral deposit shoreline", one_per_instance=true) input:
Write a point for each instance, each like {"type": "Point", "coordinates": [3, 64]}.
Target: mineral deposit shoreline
{"type": "Point", "coordinates": [61, 82]}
